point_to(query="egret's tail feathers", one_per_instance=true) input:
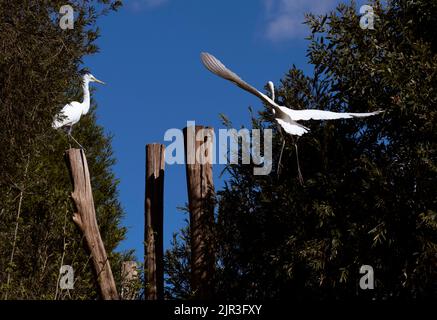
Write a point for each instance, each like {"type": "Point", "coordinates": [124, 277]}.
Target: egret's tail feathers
{"type": "Point", "coordinates": [60, 122]}
{"type": "Point", "coordinates": [294, 129]}
{"type": "Point", "coordinates": [56, 124]}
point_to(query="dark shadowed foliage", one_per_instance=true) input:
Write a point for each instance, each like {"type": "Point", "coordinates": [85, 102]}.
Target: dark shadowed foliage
{"type": "Point", "coordinates": [369, 195]}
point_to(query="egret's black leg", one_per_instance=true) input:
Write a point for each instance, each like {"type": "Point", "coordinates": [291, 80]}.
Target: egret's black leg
{"type": "Point", "coordinates": [299, 172]}
{"type": "Point", "coordinates": [278, 170]}
{"type": "Point", "coordinates": [77, 143]}
{"type": "Point", "coordinates": [69, 134]}
{"type": "Point", "coordinates": [280, 157]}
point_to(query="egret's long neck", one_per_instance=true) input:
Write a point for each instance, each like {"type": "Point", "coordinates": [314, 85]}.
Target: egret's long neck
{"type": "Point", "coordinates": [272, 90]}
{"type": "Point", "coordinates": [86, 97]}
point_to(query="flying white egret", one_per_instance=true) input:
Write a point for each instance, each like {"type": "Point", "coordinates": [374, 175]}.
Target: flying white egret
{"type": "Point", "coordinates": [72, 112]}
{"type": "Point", "coordinates": [286, 117]}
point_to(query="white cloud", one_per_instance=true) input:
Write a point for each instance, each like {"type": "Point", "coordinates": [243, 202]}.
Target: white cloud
{"type": "Point", "coordinates": [285, 17]}
{"type": "Point", "coordinates": [138, 5]}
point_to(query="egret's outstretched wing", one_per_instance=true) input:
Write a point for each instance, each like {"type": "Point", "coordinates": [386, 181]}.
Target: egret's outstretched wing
{"type": "Point", "coordinates": [217, 67]}
{"type": "Point", "coordinates": [292, 127]}
{"type": "Point", "coordinates": [313, 114]}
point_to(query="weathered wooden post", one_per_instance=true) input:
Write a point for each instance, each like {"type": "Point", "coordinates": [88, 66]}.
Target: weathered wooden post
{"type": "Point", "coordinates": [200, 185]}
{"type": "Point", "coordinates": [154, 211]}
{"type": "Point", "coordinates": [85, 218]}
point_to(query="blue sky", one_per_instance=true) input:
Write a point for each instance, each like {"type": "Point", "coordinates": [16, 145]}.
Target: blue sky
{"type": "Point", "coordinates": [149, 58]}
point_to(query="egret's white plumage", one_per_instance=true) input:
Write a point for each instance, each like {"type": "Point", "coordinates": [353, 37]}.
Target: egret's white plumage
{"type": "Point", "coordinates": [292, 128]}
{"type": "Point", "coordinates": [286, 117]}
{"type": "Point", "coordinates": [69, 115]}
{"type": "Point", "coordinates": [72, 112]}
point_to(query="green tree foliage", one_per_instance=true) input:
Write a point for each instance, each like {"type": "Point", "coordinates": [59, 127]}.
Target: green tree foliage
{"type": "Point", "coordinates": [39, 73]}
{"type": "Point", "coordinates": [369, 195]}
{"type": "Point", "coordinates": [177, 266]}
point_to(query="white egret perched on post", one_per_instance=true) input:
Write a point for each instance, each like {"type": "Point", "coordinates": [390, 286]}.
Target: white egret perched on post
{"type": "Point", "coordinates": [72, 112]}
{"type": "Point", "coordinates": [287, 118]}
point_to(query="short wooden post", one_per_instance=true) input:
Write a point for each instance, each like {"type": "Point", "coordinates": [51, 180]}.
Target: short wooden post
{"type": "Point", "coordinates": [129, 280]}
{"type": "Point", "coordinates": [154, 212]}
{"type": "Point", "coordinates": [200, 185]}
{"type": "Point", "coordinates": [85, 218]}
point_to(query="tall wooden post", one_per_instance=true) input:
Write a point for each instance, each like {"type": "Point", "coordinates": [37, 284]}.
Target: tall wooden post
{"type": "Point", "coordinates": [85, 218]}
{"type": "Point", "coordinates": [200, 185]}
{"type": "Point", "coordinates": [154, 211]}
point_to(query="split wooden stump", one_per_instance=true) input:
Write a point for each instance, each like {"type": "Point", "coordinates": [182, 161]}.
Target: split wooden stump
{"type": "Point", "coordinates": [85, 219]}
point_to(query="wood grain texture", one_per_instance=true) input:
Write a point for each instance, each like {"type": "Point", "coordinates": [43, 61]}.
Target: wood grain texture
{"type": "Point", "coordinates": [85, 219]}
{"type": "Point", "coordinates": [200, 185]}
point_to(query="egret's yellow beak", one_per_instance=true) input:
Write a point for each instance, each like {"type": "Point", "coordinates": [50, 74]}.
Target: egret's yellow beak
{"type": "Point", "coordinates": [97, 80]}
